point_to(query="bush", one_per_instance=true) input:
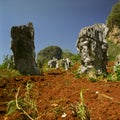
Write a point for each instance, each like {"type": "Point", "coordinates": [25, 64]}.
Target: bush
{"type": "Point", "coordinates": [82, 110]}
{"type": "Point", "coordinates": [26, 105]}
{"type": "Point", "coordinates": [73, 57]}
{"type": "Point", "coordinates": [117, 72]}
{"type": "Point", "coordinates": [113, 50]}
{"type": "Point", "coordinates": [6, 73]}
{"type": "Point", "coordinates": [114, 17]}
{"type": "Point", "coordinates": [50, 52]}
{"type": "Point", "coordinates": [8, 62]}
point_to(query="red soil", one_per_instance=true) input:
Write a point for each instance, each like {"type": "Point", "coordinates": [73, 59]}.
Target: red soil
{"type": "Point", "coordinates": [58, 91]}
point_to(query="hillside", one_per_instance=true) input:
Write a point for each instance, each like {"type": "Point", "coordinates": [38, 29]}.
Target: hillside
{"type": "Point", "coordinates": [57, 92]}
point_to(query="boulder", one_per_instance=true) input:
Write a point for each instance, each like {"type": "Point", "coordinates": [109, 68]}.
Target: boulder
{"type": "Point", "coordinates": [22, 45]}
{"type": "Point", "coordinates": [53, 63]}
{"type": "Point", "coordinates": [92, 46]}
{"type": "Point", "coordinates": [65, 63]}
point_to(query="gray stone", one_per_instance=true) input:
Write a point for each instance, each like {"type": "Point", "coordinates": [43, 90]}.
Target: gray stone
{"type": "Point", "coordinates": [65, 63]}
{"type": "Point", "coordinates": [22, 45]}
{"type": "Point", "coordinates": [53, 63]}
{"type": "Point", "coordinates": [92, 46]}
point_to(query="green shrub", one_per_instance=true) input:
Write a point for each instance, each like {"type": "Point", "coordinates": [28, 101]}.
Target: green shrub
{"type": "Point", "coordinates": [6, 73]}
{"type": "Point", "coordinates": [113, 50]}
{"type": "Point", "coordinates": [82, 110]}
{"type": "Point", "coordinates": [114, 77]}
{"type": "Point", "coordinates": [114, 16]}
{"type": "Point", "coordinates": [8, 62]}
{"type": "Point", "coordinates": [117, 72]}
{"type": "Point", "coordinates": [50, 52]}
{"type": "Point", "coordinates": [26, 105]}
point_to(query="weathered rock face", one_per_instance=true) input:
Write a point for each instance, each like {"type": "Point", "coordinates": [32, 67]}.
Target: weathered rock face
{"type": "Point", "coordinates": [92, 47]}
{"type": "Point", "coordinates": [114, 34]}
{"type": "Point", "coordinates": [23, 48]}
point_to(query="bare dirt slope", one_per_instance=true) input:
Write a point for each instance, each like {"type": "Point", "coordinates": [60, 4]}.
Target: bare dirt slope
{"type": "Point", "coordinates": [57, 91]}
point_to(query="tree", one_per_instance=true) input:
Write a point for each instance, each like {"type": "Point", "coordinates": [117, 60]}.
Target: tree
{"type": "Point", "coordinates": [114, 16]}
{"type": "Point", "coordinates": [49, 52]}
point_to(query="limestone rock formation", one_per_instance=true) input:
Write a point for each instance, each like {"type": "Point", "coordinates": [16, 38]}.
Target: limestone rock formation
{"type": "Point", "coordinates": [65, 63]}
{"type": "Point", "coordinates": [92, 47]}
{"type": "Point", "coordinates": [114, 34]}
{"type": "Point", "coordinates": [53, 63]}
{"type": "Point", "coordinates": [23, 49]}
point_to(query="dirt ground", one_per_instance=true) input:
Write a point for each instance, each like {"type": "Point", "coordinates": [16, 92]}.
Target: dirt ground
{"type": "Point", "coordinates": [57, 92]}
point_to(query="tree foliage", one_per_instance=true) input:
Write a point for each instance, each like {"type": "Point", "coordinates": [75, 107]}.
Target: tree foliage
{"type": "Point", "coordinates": [114, 16]}
{"type": "Point", "coordinates": [67, 53]}
{"type": "Point", "coordinates": [8, 62]}
{"type": "Point", "coordinates": [73, 57]}
{"type": "Point", "coordinates": [113, 50]}
{"type": "Point", "coordinates": [54, 51]}
{"type": "Point", "coordinates": [50, 52]}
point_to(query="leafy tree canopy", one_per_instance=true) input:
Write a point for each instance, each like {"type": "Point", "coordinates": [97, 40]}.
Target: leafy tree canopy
{"type": "Point", "coordinates": [50, 52]}
{"type": "Point", "coordinates": [114, 16]}
{"type": "Point", "coordinates": [54, 51]}
{"type": "Point", "coordinates": [67, 53]}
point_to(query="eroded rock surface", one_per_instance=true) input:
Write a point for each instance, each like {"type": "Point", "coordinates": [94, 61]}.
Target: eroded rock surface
{"type": "Point", "coordinates": [114, 34]}
{"type": "Point", "coordinates": [23, 48]}
{"type": "Point", "coordinates": [92, 46]}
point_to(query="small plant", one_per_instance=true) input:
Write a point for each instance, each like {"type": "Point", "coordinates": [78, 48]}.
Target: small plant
{"type": "Point", "coordinates": [12, 106]}
{"type": "Point", "coordinates": [112, 77]}
{"type": "Point", "coordinates": [81, 109]}
{"type": "Point", "coordinates": [117, 72]}
{"type": "Point", "coordinates": [8, 62]}
{"type": "Point", "coordinates": [77, 75]}
{"type": "Point", "coordinates": [6, 73]}
{"type": "Point", "coordinates": [92, 79]}
{"type": "Point", "coordinates": [58, 110]}
{"type": "Point", "coordinates": [26, 105]}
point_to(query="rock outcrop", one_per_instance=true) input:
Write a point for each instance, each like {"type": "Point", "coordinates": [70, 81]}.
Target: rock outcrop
{"type": "Point", "coordinates": [23, 49]}
{"type": "Point", "coordinates": [114, 34]}
{"type": "Point", "coordinates": [92, 47]}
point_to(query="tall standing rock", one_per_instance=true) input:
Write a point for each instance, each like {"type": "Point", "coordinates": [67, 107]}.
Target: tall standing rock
{"type": "Point", "coordinates": [92, 46]}
{"type": "Point", "coordinates": [23, 48]}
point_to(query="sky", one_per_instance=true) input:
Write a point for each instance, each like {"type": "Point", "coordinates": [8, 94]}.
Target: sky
{"type": "Point", "coordinates": [56, 22]}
